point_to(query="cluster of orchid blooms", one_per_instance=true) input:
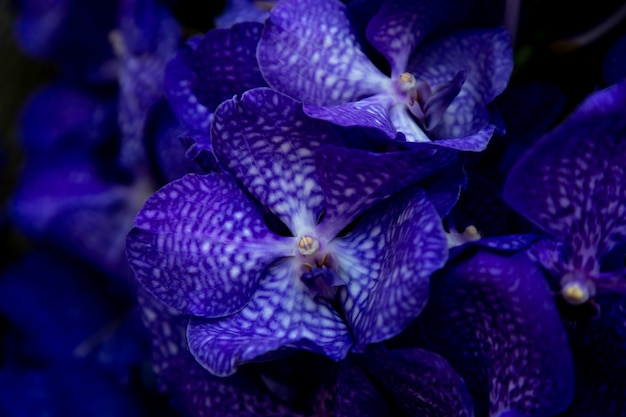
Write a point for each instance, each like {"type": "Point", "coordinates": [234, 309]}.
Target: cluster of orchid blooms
{"type": "Point", "coordinates": [301, 203]}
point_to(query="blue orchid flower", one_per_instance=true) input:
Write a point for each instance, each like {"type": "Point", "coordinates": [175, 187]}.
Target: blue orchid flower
{"type": "Point", "coordinates": [436, 90]}
{"type": "Point", "coordinates": [578, 198]}
{"type": "Point", "coordinates": [201, 245]}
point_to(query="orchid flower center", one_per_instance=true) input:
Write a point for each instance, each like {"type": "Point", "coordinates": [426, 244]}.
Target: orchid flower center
{"type": "Point", "coordinates": [317, 267]}
{"type": "Point", "coordinates": [312, 252]}
{"type": "Point", "coordinates": [576, 289]}
{"type": "Point", "coordinates": [308, 245]}
{"type": "Point", "coordinates": [455, 238]}
{"type": "Point", "coordinates": [405, 88]}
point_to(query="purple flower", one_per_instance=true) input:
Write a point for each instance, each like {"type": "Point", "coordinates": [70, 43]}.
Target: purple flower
{"type": "Point", "coordinates": [202, 245]}
{"type": "Point", "coordinates": [571, 185]}
{"type": "Point", "coordinates": [437, 90]}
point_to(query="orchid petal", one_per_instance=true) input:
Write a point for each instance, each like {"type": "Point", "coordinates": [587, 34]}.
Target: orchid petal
{"type": "Point", "coordinates": [418, 382]}
{"type": "Point", "coordinates": [67, 201]}
{"type": "Point", "coordinates": [387, 261]}
{"type": "Point", "coordinates": [242, 395]}
{"type": "Point", "coordinates": [282, 313]}
{"type": "Point", "coordinates": [224, 63]}
{"type": "Point", "coordinates": [401, 25]}
{"type": "Point", "coordinates": [268, 143]}
{"type": "Point", "coordinates": [371, 112]}
{"type": "Point", "coordinates": [599, 347]}
{"type": "Point", "coordinates": [200, 245]}
{"type": "Point", "coordinates": [178, 79]}
{"type": "Point", "coordinates": [485, 315]}
{"type": "Point", "coordinates": [572, 182]}
{"type": "Point", "coordinates": [311, 54]}
{"type": "Point", "coordinates": [353, 180]}
{"type": "Point", "coordinates": [486, 58]}
{"type": "Point", "coordinates": [355, 394]}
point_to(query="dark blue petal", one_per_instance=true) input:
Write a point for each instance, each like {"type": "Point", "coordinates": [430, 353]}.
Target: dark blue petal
{"type": "Point", "coordinates": [147, 38]}
{"type": "Point", "coordinates": [401, 25]}
{"type": "Point", "coordinates": [354, 394]}
{"type": "Point", "coordinates": [163, 137]}
{"type": "Point", "coordinates": [178, 80]}
{"type": "Point", "coordinates": [168, 341]}
{"type": "Point", "coordinates": [68, 390]}
{"type": "Point", "coordinates": [64, 116]}
{"type": "Point", "coordinates": [224, 63]}
{"type": "Point", "coordinates": [353, 180]}
{"type": "Point", "coordinates": [201, 394]}
{"type": "Point", "coordinates": [65, 200]}
{"type": "Point", "coordinates": [571, 183]}
{"type": "Point", "coordinates": [494, 319]}
{"type": "Point", "coordinates": [55, 305]}
{"type": "Point", "coordinates": [72, 33]}
{"type": "Point", "coordinates": [599, 347]}
{"type": "Point", "coordinates": [418, 382]}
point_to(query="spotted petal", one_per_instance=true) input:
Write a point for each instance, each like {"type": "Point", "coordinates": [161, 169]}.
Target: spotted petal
{"type": "Point", "coordinates": [401, 25]}
{"type": "Point", "coordinates": [353, 180]}
{"type": "Point", "coordinates": [572, 182]}
{"type": "Point", "coordinates": [200, 245]}
{"type": "Point", "coordinates": [267, 142]}
{"type": "Point", "coordinates": [282, 313]}
{"type": "Point", "coordinates": [224, 63]}
{"type": "Point", "coordinates": [387, 261]}
{"type": "Point", "coordinates": [418, 382]}
{"type": "Point", "coordinates": [311, 54]}
{"type": "Point", "coordinates": [494, 319]}
{"type": "Point", "coordinates": [486, 58]}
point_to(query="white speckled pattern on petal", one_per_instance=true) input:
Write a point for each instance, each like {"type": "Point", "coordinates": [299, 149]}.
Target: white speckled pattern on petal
{"type": "Point", "coordinates": [268, 143]}
{"type": "Point", "coordinates": [281, 314]}
{"type": "Point", "coordinates": [387, 262]}
{"type": "Point", "coordinates": [486, 316]}
{"type": "Point", "coordinates": [573, 182]}
{"type": "Point", "coordinates": [311, 54]}
{"type": "Point", "coordinates": [200, 245]}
